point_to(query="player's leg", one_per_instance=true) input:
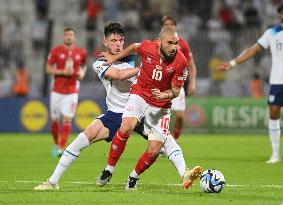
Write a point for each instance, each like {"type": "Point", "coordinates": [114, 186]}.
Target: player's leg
{"type": "Point", "coordinates": [93, 133]}
{"type": "Point", "coordinates": [275, 101]}
{"type": "Point", "coordinates": [178, 107]}
{"type": "Point", "coordinates": [134, 110]}
{"type": "Point", "coordinates": [175, 155]}
{"type": "Point", "coordinates": [55, 121]}
{"type": "Point", "coordinates": [68, 109]}
{"type": "Point", "coordinates": [145, 161]}
{"type": "Point", "coordinates": [274, 133]}
{"type": "Point", "coordinates": [157, 125]}
{"type": "Point", "coordinates": [178, 124]}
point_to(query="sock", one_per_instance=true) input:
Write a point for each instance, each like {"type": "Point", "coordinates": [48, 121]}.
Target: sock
{"type": "Point", "coordinates": [55, 126]}
{"type": "Point", "coordinates": [134, 174]}
{"type": "Point", "coordinates": [274, 136]}
{"type": "Point", "coordinates": [117, 147]}
{"type": "Point", "coordinates": [65, 132]}
{"type": "Point", "coordinates": [175, 155]}
{"type": "Point", "coordinates": [177, 133]}
{"type": "Point", "coordinates": [69, 156]}
{"type": "Point", "coordinates": [145, 161]}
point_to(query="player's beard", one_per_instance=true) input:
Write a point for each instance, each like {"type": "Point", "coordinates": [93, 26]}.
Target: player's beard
{"type": "Point", "coordinates": [68, 43]}
{"type": "Point", "coordinates": [167, 57]}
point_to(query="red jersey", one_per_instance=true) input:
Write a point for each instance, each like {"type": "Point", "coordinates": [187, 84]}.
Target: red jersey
{"type": "Point", "coordinates": [157, 74]}
{"type": "Point", "coordinates": [58, 56]}
{"type": "Point", "coordinates": [185, 49]}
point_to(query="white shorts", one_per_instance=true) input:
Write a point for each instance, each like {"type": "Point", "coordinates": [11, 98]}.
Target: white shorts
{"type": "Point", "coordinates": [156, 120]}
{"type": "Point", "coordinates": [179, 103]}
{"type": "Point", "coordinates": [63, 105]}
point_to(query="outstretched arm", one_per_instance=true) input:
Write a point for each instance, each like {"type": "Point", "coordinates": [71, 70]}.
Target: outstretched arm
{"type": "Point", "coordinates": [245, 55]}
{"type": "Point", "coordinates": [131, 49]}
{"type": "Point", "coordinates": [117, 74]}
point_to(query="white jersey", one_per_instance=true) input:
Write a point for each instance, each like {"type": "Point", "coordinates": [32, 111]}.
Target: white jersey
{"type": "Point", "coordinates": [118, 91]}
{"type": "Point", "coordinates": [273, 38]}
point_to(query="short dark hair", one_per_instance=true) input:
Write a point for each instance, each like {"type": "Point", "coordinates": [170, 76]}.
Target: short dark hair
{"type": "Point", "coordinates": [280, 8]}
{"type": "Point", "coordinates": [114, 28]}
{"type": "Point", "coordinates": [69, 29]}
{"type": "Point", "coordinates": [165, 18]}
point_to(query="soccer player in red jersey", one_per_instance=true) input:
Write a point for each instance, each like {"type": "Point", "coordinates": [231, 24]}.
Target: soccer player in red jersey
{"type": "Point", "coordinates": [179, 103]}
{"type": "Point", "coordinates": [67, 63]}
{"type": "Point", "coordinates": [159, 81]}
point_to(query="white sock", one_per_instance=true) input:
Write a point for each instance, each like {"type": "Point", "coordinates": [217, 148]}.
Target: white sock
{"type": "Point", "coordinates": [175, 155]}
{"type": "Point", "coordinates": [69, 156]}
{"type": "Point", "coordinates": [274, 136]}
{"type": "Point", "coordinates": [134, 174]}
{"type": "Point", "coordinates": [110, 168]}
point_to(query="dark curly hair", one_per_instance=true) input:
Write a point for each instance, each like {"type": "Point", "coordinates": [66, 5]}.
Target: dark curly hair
{"type": "Point", "coordinates": [114, 28]}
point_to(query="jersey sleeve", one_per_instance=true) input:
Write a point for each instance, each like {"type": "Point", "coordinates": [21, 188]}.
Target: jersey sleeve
{"type": "Point", "coordinates": [84, 58]}
{"type": "Point", "coordinates": [180, 75]}
{"type": "Point", "coordinates": [51, 57]}
{"type": "Point", "coordinates": [264, 40]}
{"type": "Point", "coordinates": [142, 47]}
{"type": "Point", "coordinates": [187, 51]}
{"type": "Point", "coordinates": [99, 68]}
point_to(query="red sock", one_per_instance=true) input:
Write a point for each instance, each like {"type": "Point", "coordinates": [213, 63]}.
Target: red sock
{"type": "Point", "coordinates": [55, 126]}
{"type": "Point", "coordinates": [177, 133]}
{"type": "Point", "coordinates": [117, 147]}
{"type": "Point", "coordinates": [145, 161]}
{"type": "Point", "coordinates": [65, 132]}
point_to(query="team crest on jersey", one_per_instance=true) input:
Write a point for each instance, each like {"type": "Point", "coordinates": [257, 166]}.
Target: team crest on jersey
{"type": "Point", "coordinates": [77, 57]}
{"type": "Point", "coordinates": [271, 98]}
{"type": "Point", "coordinates": [169, 69]}
{"type": "Point", "coordinates": [148, 60]}
{"type": "Point", "coordinates": [62, 56]}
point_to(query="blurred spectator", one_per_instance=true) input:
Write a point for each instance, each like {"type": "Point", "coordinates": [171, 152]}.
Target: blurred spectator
{"type": "Point", "coordinates": [42, 7]}
{"type": "Point", "coordinates": [21, 80]}
{"type": "Point", "coordinates": [93, 8]}
{"type": "Point", "coordinates": [38, 34]}
{"type": "Point", "coordinates": [227, 17]}
{"type": "Point", "coordinates": [252, 17]}
{"type": "Point", "coordinates": [191, 21]}
{"type": "Point", "coordinates": [15, 41]}
{"type": "Point", "coordinates": [217, 76]}
{"type": "Point", "coordinates": [256, 87]}
{"type": "Point", "coordinates": [4, 54]}
{"type": "Point", "coordinates": [150, 17]}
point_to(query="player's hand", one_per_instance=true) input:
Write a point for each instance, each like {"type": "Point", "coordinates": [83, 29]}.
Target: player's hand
{"type": "Point", "coordinates": [224, 66]}
{"type": "Point", "coordinates": [158, 94]}
{"type": "Point", "coordinates": [191, 88]}
{"type": "Point", "coordinates": [68, 71]}
{"type": "Point", "coordinates": [109, 58]}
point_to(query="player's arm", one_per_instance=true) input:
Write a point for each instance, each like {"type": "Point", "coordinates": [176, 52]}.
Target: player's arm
{"type": "Point", "coordinates": [82, 72]}
{"type": "Point", "coordinates": [130, 50]}
{"type": "Point", "coordinates": [117, 74]}
{"type": "Point", "coordinates": [52, 70]}
{"type": "Point", "coordinates": [168, 94]}
{"type": "Point", "coordinates": [192, 76]}
{"type": "Point", "coordinates": [245, 55]}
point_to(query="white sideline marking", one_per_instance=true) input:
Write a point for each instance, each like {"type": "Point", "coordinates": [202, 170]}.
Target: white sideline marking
{"type": "Point", "coordinates": [158, 184]}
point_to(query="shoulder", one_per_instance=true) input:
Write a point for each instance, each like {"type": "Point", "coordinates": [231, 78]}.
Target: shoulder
{"type": "Point", "coordinates": [80, 50]}
{"type": "Point", "coordinates": [183, 42]}
{"type": "Point", "coordinates": [180, 58]}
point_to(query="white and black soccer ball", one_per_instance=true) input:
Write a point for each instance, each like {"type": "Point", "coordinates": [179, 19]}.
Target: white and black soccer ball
{"type": "Point", "coordinates": [212, 181]}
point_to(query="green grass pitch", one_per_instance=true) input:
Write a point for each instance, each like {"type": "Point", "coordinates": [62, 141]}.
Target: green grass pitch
{"type": "Point", "coordinates": [26, 161]}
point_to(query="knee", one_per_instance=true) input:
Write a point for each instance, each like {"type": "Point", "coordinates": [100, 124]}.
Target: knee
{"type": "Point", "coordinates": [153, 154]}
{"type": "Point", "coordinates": [126, 129]}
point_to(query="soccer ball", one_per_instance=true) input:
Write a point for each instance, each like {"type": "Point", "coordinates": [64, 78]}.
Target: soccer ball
{"type": "Point", "coordinates": [212, 181]}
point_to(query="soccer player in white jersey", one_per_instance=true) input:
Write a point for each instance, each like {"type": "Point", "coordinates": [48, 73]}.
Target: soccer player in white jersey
{"type": "Point", "coordinates": [272, 38]}
{"type": "Point", "coordinates": [117, 80]}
